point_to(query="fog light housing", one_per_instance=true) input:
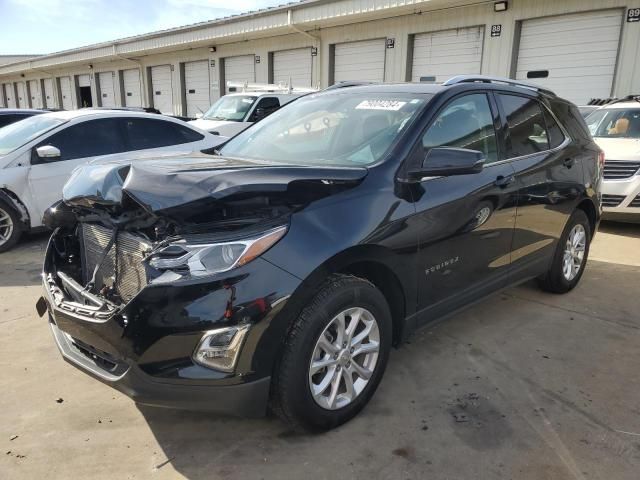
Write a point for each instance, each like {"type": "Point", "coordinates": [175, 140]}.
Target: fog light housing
{"type": "Point", "coordinates": [219, 349]}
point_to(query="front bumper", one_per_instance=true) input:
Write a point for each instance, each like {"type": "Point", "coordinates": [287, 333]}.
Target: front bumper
{"type": "Point", "coordinates": [621, 199]}
{"type": "Point", "coordinates": [144, 348]}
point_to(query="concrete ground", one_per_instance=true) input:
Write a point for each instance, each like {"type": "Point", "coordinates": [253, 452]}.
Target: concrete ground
{"type": "Point", "coordinates": [525, 385]}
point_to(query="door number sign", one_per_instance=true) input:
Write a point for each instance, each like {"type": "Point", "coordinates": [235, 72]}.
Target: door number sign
{"type": "Point", "coordinates": [633, 15]}
{"type": "Point", "coordinates": [496, 30]}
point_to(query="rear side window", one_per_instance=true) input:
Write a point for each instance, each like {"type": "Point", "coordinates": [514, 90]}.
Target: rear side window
{"type": "Point", "coordinates": [146, 133]}
{"type": "Point", "coordinates": [526, 125]}
{"type": "Point", "coordinates": [466, 122]}
{"type": "Point", "coordinates": [556, 137]}
{"type": "Point", "coordinates": [88, 139]}
{"type": "Point", "coordinates": [8, 119]}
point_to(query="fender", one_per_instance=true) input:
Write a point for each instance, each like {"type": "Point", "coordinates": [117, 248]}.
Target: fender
{"type": "Point", "coordinates": [10, 198]}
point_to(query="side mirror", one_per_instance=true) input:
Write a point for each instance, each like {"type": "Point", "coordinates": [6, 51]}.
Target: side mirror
{"type": "Point", "coordinates": [48, 152]}
{"type": "Point", "coordinates": [446, 161]}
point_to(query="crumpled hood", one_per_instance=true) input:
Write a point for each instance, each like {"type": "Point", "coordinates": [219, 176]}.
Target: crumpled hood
{"type": "Point", "coordinates": [619, 148]}
{"type": "Point", "coordinates": [173, 186]}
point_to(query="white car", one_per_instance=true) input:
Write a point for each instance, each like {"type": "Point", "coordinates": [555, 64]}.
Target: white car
{"type": "Point", "coordinates": [234, 112]}
{"type": "Point", "coordinates": [38, 154]}
{"type": "Point", "coordinates": [616, 129]}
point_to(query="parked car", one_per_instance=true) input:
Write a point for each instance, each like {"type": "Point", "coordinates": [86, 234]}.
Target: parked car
{"type": "Point", "coordinates": [281, 271]}
{"type": "Point", "coordinates": [616, 129]}
{"type": "Point", "coordinates": [38, 154]}
{"type": "Point", "coordinates": [234, 112]}
{"type": "Point", "coordinates": [12, 115]}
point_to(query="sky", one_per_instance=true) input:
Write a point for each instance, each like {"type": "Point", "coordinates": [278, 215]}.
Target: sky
{"type": "Point", "coordinates": [47, 26]}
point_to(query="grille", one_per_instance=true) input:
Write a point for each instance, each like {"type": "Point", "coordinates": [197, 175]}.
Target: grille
{"type": "Point", "coordinates": [127, 254]}
{"type": "Point", "coordinates": [611, 200]}
{"type": "Point", "coordinates": [635, 202]}
{"type": "Point", "coordinates": [616, 169]}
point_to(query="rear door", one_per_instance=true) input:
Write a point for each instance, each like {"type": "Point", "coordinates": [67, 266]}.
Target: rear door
{"type": "Point", "coordinates": [466, 221]}
{"type": "Point", "coordinates": [548, 180]}
{"type": "Point", "coordinates": [151, 134]}
{"type": "Point", "coordinates": [78, 144]}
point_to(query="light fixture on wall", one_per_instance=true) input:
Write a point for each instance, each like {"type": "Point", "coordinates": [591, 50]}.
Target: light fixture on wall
{"type": "Point", "coordinates": [212, 49]}
{"type": "Point", "coordinates": [500, 6]}
{"type": "Point", "coordinates": [90, 66]}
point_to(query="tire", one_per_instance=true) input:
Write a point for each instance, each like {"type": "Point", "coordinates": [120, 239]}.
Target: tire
{"type": "Point", "coordinates": [291, 396]}
{"type": "Point", "coordinates": [556, 279]}
{"type": "Point", "coordinates": [10, 227]}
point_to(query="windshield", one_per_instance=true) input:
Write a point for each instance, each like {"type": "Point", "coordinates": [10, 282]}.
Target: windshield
{"type": "Point", "coordinates": [615, 123]}
{"type": "Point", "coordinates": [20, 133]}
{"type": "Point", "coordinates": [230, 107]}
{"type": "Point", "coordinates": [340, 129]}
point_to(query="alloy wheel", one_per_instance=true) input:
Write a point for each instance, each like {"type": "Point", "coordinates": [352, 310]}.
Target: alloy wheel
{"type": "Point", "coordinates": [6, 227]}
{"type": "Point", "coordinates": [574, 252]}
{"type": "Point", "coordinates": [344, 358]}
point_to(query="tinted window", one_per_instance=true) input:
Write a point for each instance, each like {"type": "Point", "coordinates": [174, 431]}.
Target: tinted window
{"type": "Point", "coordinates": [8, 119]}
{"type": "Point", "coordinates": [88, 139]}
{"type": "Point", "coordinates": [526, 125]}
{"type": "Point", "coordinates": [148, 133]}
{"type": "Point", "coordinates": [465, 123]}
{"type": "Point", "coordinates": [267, 105]}
{"type": "Point", "coordinates": [556, 137]}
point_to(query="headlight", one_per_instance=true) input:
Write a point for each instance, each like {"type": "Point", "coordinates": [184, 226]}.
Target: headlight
{"type": "Point", "coordinates": [205, 259]}
{"type": "Point", "coordinates": [219, 348]}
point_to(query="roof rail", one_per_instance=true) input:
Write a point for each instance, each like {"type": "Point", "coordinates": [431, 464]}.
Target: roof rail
{"type": "Point", "coordinates": [487, 79]}
{"type": "Point", "coordinates": [347, 83]}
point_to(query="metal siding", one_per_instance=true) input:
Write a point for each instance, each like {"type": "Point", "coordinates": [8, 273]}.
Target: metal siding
{"type": "Point", "coordinates": [132, 88]}
{"type": "Point", "coordinates": [162, 88]}
{"type": "Point", "coordinates": [578, 50]}
{"type": "Point", "coordinates": [22, 95]}
{"type": "Point", "coordinates": [196, 83]}
{"type": "Point", "coordinates": [447, 53]}
{"type": "Point", "coordinates": [240, 69]}
{"type": "Point", "coordinates": [65, 91]}
{"type": "Point", "coordinates": [49, 95]}
{"type": "Point", "coordinates": [36, 95]}
{"type": "Point", "coordinates": [107, 89]}
{"type": "Point", "coordinates": [362, 61]}
{"type": "Point", "coordinates": [294, 65]}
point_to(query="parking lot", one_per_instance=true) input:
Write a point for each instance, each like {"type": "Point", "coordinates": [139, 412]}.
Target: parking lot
{"type": "Point", "coordinates": [523, 385]}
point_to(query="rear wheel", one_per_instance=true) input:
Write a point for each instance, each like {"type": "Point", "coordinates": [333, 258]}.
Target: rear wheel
{"type": "Point", "coordinates": [10, 227]}
{"type": "Point", "coordinates": [571, 254]}
{"type": "Point", "coordinates": [334, 356]}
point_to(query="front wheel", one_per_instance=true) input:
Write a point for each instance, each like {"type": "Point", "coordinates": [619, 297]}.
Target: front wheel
{"type": "Point", "coordinates": [10, 227]}
{"type": "Point", "coordinates": [571, 254]}
{"type": "Point", "coordinates": [334, 355]}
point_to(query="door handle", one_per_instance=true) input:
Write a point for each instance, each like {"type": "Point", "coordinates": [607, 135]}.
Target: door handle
{"type": "Point", "coordinates": [568, 162]}
{"type": "Point", "coordinates": [503, 181]}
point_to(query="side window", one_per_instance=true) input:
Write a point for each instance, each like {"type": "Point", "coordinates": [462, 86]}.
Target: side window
{"type": "Point", "coordinates": [556, 137]}
{"type": "Point", "coordinates": [146, 133]}
{"type": "Point", "coordinates": [265, 107]}
{"type": "Point", "coordinates": [526, 125]}
{"type": "Point", "coordinates": [465, 123]}
{"type": "Point", "coordinates": [88, 139]}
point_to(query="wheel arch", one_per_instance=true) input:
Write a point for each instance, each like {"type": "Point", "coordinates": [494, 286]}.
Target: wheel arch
{"type": "Point", "coordinates": [13, 200]}
{"type": "Point", "coordinates": [588, 207]}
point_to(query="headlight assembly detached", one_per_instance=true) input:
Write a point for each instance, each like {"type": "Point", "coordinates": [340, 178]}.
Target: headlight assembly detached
{"type": "Point", "coordinates": [205, 259]}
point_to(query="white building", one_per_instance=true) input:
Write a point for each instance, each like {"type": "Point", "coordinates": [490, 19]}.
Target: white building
{"type": "Point", "coordinates": [582, 49]}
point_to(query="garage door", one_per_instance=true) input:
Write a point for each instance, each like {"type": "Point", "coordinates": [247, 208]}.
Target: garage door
{"type": "Point", "coordinates": [22, 95]}
{"type": "Point", "coordinates": [360, 61]}
{"type": "Point", "coordinates": [84, 80]}
{"type": "Point", "coordinates": [196, 83]}
{"type": "Point", "coordinates": [439, 56]}
{"type": "Point", "coordinates": [9, 95]}
{"type": "Point", "coordinates": [65, 93]}
{"type": "Point", "coordinates": [162, 88]}
{"type": "Point", "coordinates": [107, 89]}
{"type": "Point", "coordinates": [294, 65]}
{"type": "Point", "coordinates": [49, 96]}
{"type": "Point", "coordinates": [240, 69]}
{"type": "Point", "coordinates": [132, 90]}
{"type": "Point", "coordinates": [35, 94]}
{"type": "Point", "coordinates": [574, 55]}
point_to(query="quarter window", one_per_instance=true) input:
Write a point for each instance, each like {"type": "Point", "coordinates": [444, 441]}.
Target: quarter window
{"type": "Point", "coordinates": [556, 137]}
{"type": "Point", "coordinates": [149, 133]}
{"type": "Point", "coordinates": [88, 139]}
{"type": "Point", "coordinates": [465, 123]}
{"type": "Point", "coordinates": [526, 125]}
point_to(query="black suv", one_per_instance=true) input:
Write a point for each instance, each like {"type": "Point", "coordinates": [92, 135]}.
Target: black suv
{"type": "Point", "coordinates": [280, 269]}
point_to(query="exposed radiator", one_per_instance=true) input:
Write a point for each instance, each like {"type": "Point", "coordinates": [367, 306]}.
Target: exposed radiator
{"type": "Point", "coordinates": [127, 253]}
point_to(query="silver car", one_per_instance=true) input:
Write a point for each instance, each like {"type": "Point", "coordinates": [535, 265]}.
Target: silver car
{"type": "Point", "coordinates": [616, 130]}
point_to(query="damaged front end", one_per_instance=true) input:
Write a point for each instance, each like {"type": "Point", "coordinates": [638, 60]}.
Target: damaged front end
{"type": "Point", "coordinates": [153, 272]}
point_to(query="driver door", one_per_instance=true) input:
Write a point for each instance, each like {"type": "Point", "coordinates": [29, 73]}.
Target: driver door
{"type": "Point", "coordinates": [78, 143]}
{"type": "Point", "coordinates": [466, 222]}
